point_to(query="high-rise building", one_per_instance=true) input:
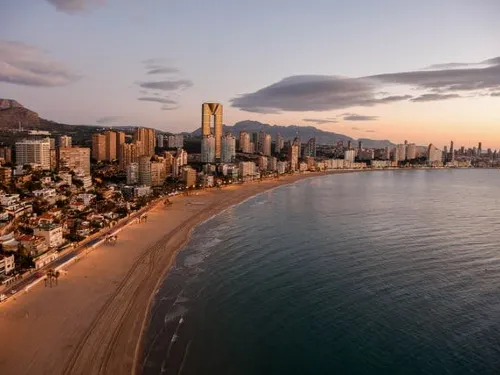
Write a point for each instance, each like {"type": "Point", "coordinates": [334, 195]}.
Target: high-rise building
{"type": "Point", "coordinates": [280, 143]}
{"type": "Point", "coordinates": [98, 146]}
{"type": "Point", "coordinates": [293, 154]}
{"type": "Point", "coordinates": [148, 141]}
{"type": "Point", "coordinates": [189, 176]}
{"type": "Point", "coordinates": [255, 140]}
{"type": "Point", "coordinates": [349, 155]}
{"type": "Point", "coordinates": [401, 152]}
{"type": "Point", "coordinates": [266, 147]}
{"type": "Point", "coordinates": [145, 170]}
{"type": "Point", "coordinates": [228, 150]}
{"type": "Point", "coordinates": [433, 154]}
{"type": "Point", "coordinates": [411, 151]}
{"type": "Point", "coordinates": [64, 141]}
{"type": "Point", "coordinates": [479, 149]}
{"type": "Point", "coordinates": [120, 140]}
{"type": "Point", "coordinates": [33, 151]}
{"type": "Point", "coordinates": [272, 163]}
{"type": "Point", "coordinates": [262, 163]}
{"type": "Point", "coordinates": [175, 141]}
{"type": "Point", "coordinates": [110, 145]}
{"type": "Point", "coordinates": [160, 140]}
{"type": "Point", "coordinates": [132, 173]}
{"type": "Point", "coordinates": [245, 143]}
{"type": "Point", "coordinates": [180, 160]}
{"type": "Point", "coordinates": [76, 159]}
{"type": "Point", "coordinates": [247, 169]}
{"type": "Point", "coordinates": [127, 154]}
{"type": "Point", "coordinates": [158, 172]}
{"type": "Point", "coordinates": [5, 154]}
{"type": "Point", "coordinates": [310, 149]}
{"type": "Point", "coordinates": [208, 149]}
{"type": "Point", "coordinates": [213, 111]}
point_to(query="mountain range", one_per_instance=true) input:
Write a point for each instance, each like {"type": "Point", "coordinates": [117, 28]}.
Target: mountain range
{"type": "Point", "coordinates": [304, 132]}
{"type": "Point", "coordinates": [12, 114]}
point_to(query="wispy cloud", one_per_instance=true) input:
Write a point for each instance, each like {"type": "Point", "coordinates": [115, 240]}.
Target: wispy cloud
{"type": "Point", "coordinates": [370, 131]}
{"type": "Point", "coordinates": [157, 100]}
{"type": "Point", "coordinates": [355, 117]}
{"type": "Point", "coordinates": [109, 120]}
{"type": "Point", "coordinates": [167, 85]}
{"type": "Point", "coordinates": [163, 70]}
{"type": "Point", "coordinates": [21, 64]}
{"type": "Point", "coordinates": [434, 97]}
{"type": "Point", "coordinates": [324, 93]}
{"type": "Point", "coordinates": [320, 121]}
{"type": "Point", "coordinates": [75, 6]}
{"type": "Point", "coordinates": [495, 94]}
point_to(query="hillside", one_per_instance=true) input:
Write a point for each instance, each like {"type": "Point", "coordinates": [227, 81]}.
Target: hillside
{"type": "Point", "coordinates": [304, 132]}
{"type": "Point", "coordinates": [12, 114]}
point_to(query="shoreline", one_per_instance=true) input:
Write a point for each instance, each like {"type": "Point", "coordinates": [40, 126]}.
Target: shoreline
{"type": "Point", "coordinates": [110, 311]}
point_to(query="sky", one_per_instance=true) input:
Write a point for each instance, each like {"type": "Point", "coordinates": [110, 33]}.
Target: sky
{"type": "Point", "coordinates": [418, 70]}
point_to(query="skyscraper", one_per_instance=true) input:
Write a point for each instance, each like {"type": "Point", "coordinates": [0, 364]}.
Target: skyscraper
{"type": "Point", "coordinates": [64, 141]}
{"type": "Point", "coordinates": [310, 149]}
{"type": "Point", "coordinates": [213, 111]}
{"type": "Point", "coordinates": [401, 151]}
{"type": "Point", "coordinates": [110, 145]}
{"type": "Point", "coordinates": [208, 149]}
{"type": "Point", "coordinates": [145, 170]}
{"type": "Point", "coordinates": [127, 154]}
{"type": "Point", "coordinates": [293, 154]}
{"type": "Point", "coordinates": [120, 140]}
{"type": "Point", "coordinates": [76, 159]}
{"type": "Point", "coordinates": [433, 154]}
{"type": "Point", "coordinates": [33, 151]}
{"type": "Point", "coordinates": [280, 143]}
{"type": "Point", "coordinates": [148, 141]}
{"type": "Point", "coordinates": [160, 140]}
{"type": "Point", "coordinates": [411, 151]}
{"type": "Point", "coordinates": [245, 142]}
{"type": "Point", "coordinates": [98, 146]}
{"type": "Point", "coordinates": [228, 151]}
{"type": "Point", "coordinates": [452, 152]}
{"type": "Point", "coordinates": [479, 149]}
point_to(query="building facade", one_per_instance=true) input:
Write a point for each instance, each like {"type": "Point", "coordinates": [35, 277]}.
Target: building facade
{"type": "Point", "coordinates": [35, 152]}
{"type": "Point", "coordinates": [208, 149]}
{"type": "Point", "coordinates": [228, 152]}
{"type": "Point", "coordinates": [213, 111]}
{"type": "Point", "coordinates": [75, 159]}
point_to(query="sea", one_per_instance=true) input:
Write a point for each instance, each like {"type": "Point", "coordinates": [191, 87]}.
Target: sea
{"type": "Point", "coordinates": [390, 272]}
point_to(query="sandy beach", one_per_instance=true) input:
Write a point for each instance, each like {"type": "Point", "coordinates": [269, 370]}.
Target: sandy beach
{"type": "Point", "coordinates": [92, 321]}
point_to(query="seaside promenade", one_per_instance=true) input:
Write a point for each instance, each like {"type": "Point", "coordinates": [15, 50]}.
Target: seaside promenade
{"type": "Point", "coordinates": [91, 323]}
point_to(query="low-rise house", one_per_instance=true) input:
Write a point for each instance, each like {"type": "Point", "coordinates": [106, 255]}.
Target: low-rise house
{"type": "Point", "coordinates": [77, 206]}
{"type": "Point", "coordinates": [34, 245]}
{"type": "Point", "coordinates": [56, 213]}
{"type": "Point", "coordinates": [45, 258]}
{"type": "Point", "coordinates": [45, 193]}
{"type": "Point", "coordinates": [7, 264]}
{"type": "Point", "coordinates": [53, 234]}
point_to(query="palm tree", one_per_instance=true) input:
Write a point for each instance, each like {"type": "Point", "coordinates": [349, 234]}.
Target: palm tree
{"type": "Point", "coordinates": [56, 276]}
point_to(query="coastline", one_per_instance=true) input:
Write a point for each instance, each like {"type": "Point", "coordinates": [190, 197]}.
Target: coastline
{"type": "Point", "coordinates": [95, 325]}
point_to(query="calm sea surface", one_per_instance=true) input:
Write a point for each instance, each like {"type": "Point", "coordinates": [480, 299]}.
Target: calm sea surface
{"type": "Point", "coordinates": [362, 273]}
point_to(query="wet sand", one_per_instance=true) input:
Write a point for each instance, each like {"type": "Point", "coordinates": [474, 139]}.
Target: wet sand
{"type": "Point", "coordinates": [92, 321]}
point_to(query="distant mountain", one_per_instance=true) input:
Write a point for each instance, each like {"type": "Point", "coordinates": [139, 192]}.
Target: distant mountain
{"type": "Point", "coordinates": [304, 132]}
{"type": "Point", "coordinates": [12, 114]}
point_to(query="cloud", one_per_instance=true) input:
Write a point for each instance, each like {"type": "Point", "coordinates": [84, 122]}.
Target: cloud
{"type": "Point", "coordinates": [162, 70]}
{"type": "Point", "coordinates": [355, 128]}
{"type": "Point", "coordinates": [109, 120]}
{"type": "Point", "coordinates": [320, 121]}
{"type": "Point", "coordinates": [355, 117]}
{"type": "Point", "coordinates": [180, 84]}
{"type": "Point", "coordinates": [324, 93]}
{"type": "Point", "coordinates": [169, 107]}
{"type": "Point", "coordinates": [495, 94]}
{"type": "Point", "coordinates": [21, 64]}
{"type": "Point", "coordinates": [435, 97]}
{"type": "Point", "coordinates": [158, 100]}
{"type": "Point", "coordinates": [75, 6]}
{"type": "Point", "coordinates": [370, 131]}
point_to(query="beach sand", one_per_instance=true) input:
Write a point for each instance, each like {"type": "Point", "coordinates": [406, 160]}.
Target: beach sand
{"type": "Point", "coordinates": [92, 321]}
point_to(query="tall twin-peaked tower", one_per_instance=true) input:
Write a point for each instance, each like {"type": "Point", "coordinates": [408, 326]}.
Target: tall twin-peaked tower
{"type": "Point", "coordinates": [213, 111]}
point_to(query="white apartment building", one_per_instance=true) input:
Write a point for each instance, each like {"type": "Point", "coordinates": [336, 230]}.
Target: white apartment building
{"type": "Point", "coordinates": [33, 151]}
{"type": "Point", "coordinates": [6, 264]}
{"type": "Point", "coordinates": [53, 234]}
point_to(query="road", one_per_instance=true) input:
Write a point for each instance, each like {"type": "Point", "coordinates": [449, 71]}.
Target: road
{"type": "Point", "coordinates": [70, 254]}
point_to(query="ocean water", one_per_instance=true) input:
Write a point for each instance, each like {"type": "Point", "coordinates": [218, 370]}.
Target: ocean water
{"type": "Point", "coordinates": [394, 272]}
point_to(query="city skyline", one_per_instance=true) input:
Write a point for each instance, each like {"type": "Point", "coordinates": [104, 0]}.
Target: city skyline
{"type": "Point", "coordinates": [374, 74]}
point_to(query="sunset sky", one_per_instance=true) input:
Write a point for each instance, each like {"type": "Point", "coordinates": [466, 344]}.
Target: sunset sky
{"type": "Point", "coordinates": [425, 71]}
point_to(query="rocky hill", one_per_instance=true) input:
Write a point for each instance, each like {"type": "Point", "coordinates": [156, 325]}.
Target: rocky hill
{"type": "Point", "coordinates": [12, 114]}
